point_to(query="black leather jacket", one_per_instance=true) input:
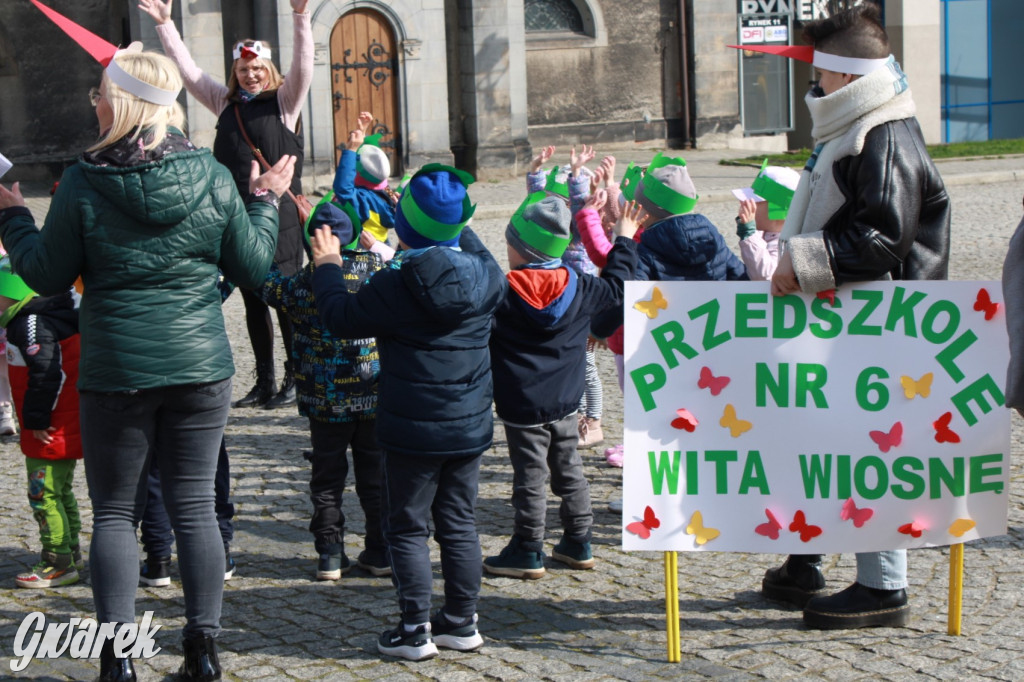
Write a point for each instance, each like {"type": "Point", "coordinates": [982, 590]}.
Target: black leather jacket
{"type": "Point", "coordinates": [895, 220]}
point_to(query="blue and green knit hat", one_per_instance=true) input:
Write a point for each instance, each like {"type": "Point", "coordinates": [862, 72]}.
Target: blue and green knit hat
{"type": "Point", "coordinates": [434, 207]}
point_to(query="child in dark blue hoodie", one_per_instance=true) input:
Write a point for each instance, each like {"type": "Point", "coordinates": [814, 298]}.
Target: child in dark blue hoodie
{"type": "Point", "coordinates": [431, 311]}
{"type": "Point", "coordinates": [538, 360]}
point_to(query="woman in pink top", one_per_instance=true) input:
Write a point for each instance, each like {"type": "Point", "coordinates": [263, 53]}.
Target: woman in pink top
{"type": "Point", "coordinates": [269, 107]}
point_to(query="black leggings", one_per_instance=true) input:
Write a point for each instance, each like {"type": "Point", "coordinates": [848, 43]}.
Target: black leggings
{"type": "Point", "coordinates": [261, 329]}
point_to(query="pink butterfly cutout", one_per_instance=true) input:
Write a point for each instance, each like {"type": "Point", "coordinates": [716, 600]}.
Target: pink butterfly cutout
{"type": "Point", "coordinates": [644, 528]}
{"type": "Point", "coordinates": [807, 531]}
{"type": "Point", "coordinates": [771, 528]}
{"type": "Point", "coordinates": [858, 516]}
{"type": "Point", "coordinates": [944, 434]}
{"type": "Point", "coordinates": [985, 304]}
{"type": "Point", "coordinates": [887, 441]}
{"type": "Point", "coordinates": [685, 421]}
{"type": "Point", "coordinates": [828, 295]}
{"type": "Point", "coordinates": [710, 381]}
{"type": "Point", "coordinates": [913, 529]}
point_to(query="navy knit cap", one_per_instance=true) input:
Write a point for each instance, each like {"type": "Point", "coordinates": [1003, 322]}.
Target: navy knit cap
{"type": "Point", "coordinates": [338, 220]}
{"type": "Point", "coordinates": [434, 207]}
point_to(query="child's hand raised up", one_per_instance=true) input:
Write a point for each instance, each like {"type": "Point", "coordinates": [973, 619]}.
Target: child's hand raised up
{"type": "Point", "coordinates": [597, 200]}
{"type": "Point", "coordinates": [633, 216]}
{"type": "Point", "coordinates": [596, 179]}
{"type": "Point", "coordinates": [355, 140]}
{"type": "Point", "coordinates": [747, 209]}
{"type": "Point", "coordinates": [607, 168]}
{"type": "Point", "coordinates": [577, 161]}
{"type": "Point", "coordinates": [326, 247]}
{"type": "Point", "coordinates": [365, 121]}
{"type": "Point", "coordinates": [543, 157]}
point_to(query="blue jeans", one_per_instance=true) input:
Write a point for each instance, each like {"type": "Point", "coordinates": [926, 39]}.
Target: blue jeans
{"type": "Point", "coordinates": [180, 428]}
{"type": "Point", "coordinates": [883, 570]}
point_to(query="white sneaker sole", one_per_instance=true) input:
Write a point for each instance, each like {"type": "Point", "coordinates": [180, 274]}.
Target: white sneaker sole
{"type": "Point", "coordinates": [459, 643]}
{"type": "Point", "coordinates": [155, 582]}
{"type": "Point", "coordinates": [523, 573]}
{"type": "Point", "coordinates": [410, 653]}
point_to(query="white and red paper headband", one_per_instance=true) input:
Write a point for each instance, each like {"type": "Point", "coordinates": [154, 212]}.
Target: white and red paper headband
{"type": "Point", "coordinates": [821, 60]}
{"type": "Point", "coordinates": [104, 53]}
{"type": "Point", "coordinates": [257, 49]}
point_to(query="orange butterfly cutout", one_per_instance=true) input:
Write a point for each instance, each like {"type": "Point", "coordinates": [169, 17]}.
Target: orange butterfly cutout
{"type": "Point", "coordinates": [807, 531]}
{"type": "Point", "coordinates": [644, 528]}
{"type": "Point", "coordinates": [921, 387]}
{"type": "Point", "coordinates": [858, 516]}
{"type": "Point", "coordinates": [650, 308]}
{"type": "Point", "coordinates": [771, 528]}
{"type": "Point", "coordinates": [913, 529]}
{"type": "Point", "coordinates": [736, 426]}
{"type": "Point", "coordinates": [697, 528]}
{"type": "Point", "coordinates": [887, 441]}
{"type": "Point", "coordinates": [944, 434]}
{"type": "Point", "coordinates": [985, 304]}
{"type": "Point", "coordinates": [685, 421]}
{"type": "Point", "coordinates": [961, 526]}
{"type": "Point", "coordinates": [828, 295]}
{"type": "Point", "coordinates": [710, 381]}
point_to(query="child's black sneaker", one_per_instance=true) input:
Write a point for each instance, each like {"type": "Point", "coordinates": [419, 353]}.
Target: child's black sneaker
{"type": "Point", "coordinates": [76, 557]}
{"type": "Point", "coordinates": [459, 635]}
{"type": "Point", "coordinates": [375, 562]}
{"type": "Point", "coordinates": [417, 645]}
{"type": "Point", "coordinates": [573, 554]}
{"type": "Point", "coordinates": [515, 561]}
{"type": "Point", "coordinates": [332, 564]}
{"type": "Point", "coordinates": [156, 571]}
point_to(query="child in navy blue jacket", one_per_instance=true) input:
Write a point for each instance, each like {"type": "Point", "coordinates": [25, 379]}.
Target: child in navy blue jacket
{"type": "Point", "coordinates": [336, 389]}
{"type": "Point", "coordinates": [538, 360]}
{"type": "Point", "coordinates": [431, 312]}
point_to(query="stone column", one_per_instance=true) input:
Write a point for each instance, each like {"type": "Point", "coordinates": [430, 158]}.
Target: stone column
{"type": "Point", "coordinates": [913, 28]}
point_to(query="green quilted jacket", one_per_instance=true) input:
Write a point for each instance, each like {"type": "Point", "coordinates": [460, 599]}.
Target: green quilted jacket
{"type": "Point", "coordinates": [147, 241]}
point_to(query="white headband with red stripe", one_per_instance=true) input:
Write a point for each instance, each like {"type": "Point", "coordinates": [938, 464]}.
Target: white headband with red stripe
{"type": "Point", "coordinates": [257, 49]}
{"type": "Point", "coordinates": [821, 60]}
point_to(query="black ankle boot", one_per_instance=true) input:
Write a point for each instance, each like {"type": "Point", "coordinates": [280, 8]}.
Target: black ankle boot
{"type": "Point", "coordinates": [858, 606]}
{"type": "Point", "coordinates": [286, 396]}
{"type": "Point", "coordinates": [201, 663]}
{"type": "Point", "coordinates": [796, 581]}
{"type": "Point", "coordinates": [113, 669]}
{"type": "Point", "coordinates": [263, 390]}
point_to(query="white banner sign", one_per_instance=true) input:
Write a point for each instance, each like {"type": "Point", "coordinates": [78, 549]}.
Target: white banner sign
{"type": "Point", "coordinates": [865, 419]}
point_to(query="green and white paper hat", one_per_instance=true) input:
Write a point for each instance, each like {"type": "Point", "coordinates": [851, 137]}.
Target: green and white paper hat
{"type": "Point", "coordinates": [533, 234]}
{"type": "Point", "coordinates": [774, 184]}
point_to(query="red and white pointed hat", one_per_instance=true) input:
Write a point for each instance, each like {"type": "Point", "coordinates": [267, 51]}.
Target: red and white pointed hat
{"type": "Point", "coordinates": [104, 52]}
{"type": "Point", "coordinates": [821, 60]}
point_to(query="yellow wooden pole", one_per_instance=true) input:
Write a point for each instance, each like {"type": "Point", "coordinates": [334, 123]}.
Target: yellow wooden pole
{"type": "Point", "coordinates": [672, 607]}
{"type": "Point", "coordinates": [956, 588]}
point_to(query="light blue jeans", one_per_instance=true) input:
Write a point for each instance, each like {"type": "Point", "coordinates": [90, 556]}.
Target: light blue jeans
{"type": "Point", "coordinates": [883, 570]}
{"type": "Point", "coordinates": [180, 427]}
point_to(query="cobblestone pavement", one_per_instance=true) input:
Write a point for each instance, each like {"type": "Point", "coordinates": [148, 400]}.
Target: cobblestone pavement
{"type": "Point", "coordinates": [608, 623]}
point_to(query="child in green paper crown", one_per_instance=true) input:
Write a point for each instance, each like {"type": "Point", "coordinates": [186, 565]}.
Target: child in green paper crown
{"type": "Point", "coordinates": [763, 209]}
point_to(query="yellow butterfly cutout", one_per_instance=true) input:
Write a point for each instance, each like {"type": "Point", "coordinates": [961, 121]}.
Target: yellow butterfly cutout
{"type": "Point", "coordinates": [736, 426]}
{"type": "Point", "coordinates": [650, 308]}
{"type": "Point", "coordinates": [961, 526]}
{"type": "Point", "coordinates": [697, 528]}
{"type": "Point", "coordinates": [921, 387]}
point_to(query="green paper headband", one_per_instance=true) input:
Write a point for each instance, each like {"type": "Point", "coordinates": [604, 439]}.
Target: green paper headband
{"type": "Point", "coordinates": [630, 179]}
{"type": "Point", "coordinates": [778, 196]}
{"type": "Point", "coordinates": [554, 187]}
{"type": "Point", "coordinates": [424, 224]}
{"type": "Point", "coordinates": [533, 234]}
{"type": "Point", "coordinates": [663, 195]}
{"type": "Point", "coordinates": [348, 209]}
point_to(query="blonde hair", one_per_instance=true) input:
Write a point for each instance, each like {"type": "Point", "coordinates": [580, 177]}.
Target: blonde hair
{"type": "Point", "coordinates": [274, 80]}
{"type": "Point", "coordinates": [133, 115]}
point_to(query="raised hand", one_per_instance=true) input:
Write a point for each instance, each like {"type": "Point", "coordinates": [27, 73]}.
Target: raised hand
{"type": "Point", "coordinates": [608, 166]}
{"type": "Point", "coordinates": [577, 161]}
{"type": "Point", "coordinates": [299, 6]}
{"type": "Point", "coordinates": [597, 200]}
{"type": "Point", "coordinates": [355, 140]}
{"type": "Point", "coordinates": [365, 121]}
{"type": "Point", "coordinates": [543, 157]}
{"type": "Point", "coordinates": [596, 179]}
{"type": "Point", "coordinates": [11, 197]}
{"type": "Point", "coordinates": [277, 179]}
{"type": "Point", "coordinates": [633, 215]}
{"type": "Point", "coordinates": [160, 10]}
{"type": "Point", "coordinates": [747, 209]}
{"type": "Point", "coordinates": [326, 247]}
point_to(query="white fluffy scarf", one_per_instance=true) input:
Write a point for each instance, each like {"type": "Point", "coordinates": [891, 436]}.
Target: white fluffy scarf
{"type": "Point", "coordinates": [841, 122]}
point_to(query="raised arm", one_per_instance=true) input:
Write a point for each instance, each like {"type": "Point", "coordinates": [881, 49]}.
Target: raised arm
{"type": "Point", "coordinates": [300, 74]}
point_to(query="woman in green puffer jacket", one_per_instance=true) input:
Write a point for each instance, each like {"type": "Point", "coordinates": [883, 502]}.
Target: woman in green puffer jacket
{"type": "Point", "coordinates": [146, 219]}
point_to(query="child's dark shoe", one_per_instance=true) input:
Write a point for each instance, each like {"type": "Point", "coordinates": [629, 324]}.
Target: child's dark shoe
{"type": "Point", "coordinates": [516, 561]}
{"type": "Point", "coordinates": [574, 554]}
{"type": "Point", "coordinates": [858, 606]}
{"type": "Point", "coordinates": [332, 563]}
{"type": "Point", "coordinates": [795, 581]}
{"type": "Point", "coordinates": [375, 562]}
{"type": "Point", "coordinates": [458, 634]}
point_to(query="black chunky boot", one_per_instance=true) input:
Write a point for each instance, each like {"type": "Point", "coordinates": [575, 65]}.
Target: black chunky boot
{"type": "Point", "coordinates": [796, 581]}
{"type": "Point", "coordinates": [286, 396]}
{"type": "Point", "coordinates": [113, 669]}
{"type": "Point", "coordinates": [201, 663]}
{"type": "Point", "coordinates": [263, 390]}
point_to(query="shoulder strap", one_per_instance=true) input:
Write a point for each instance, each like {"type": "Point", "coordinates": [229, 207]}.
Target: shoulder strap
{"type": "Point", "coordinates": [255, 150]}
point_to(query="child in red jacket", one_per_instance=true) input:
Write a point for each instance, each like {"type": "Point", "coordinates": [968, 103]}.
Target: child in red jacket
{"type": "Point", "coordinates": [42, 359]}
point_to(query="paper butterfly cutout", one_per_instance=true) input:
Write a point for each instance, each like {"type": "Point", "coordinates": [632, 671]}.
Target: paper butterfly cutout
{"type": "Point", "coordinates": [710, 381]}
{"type": "Point", "coordinates": [887, 441]}
{"type": "Point", "coordinates": [644, 528]}
{"type": "Point", "coordinates": [697, 528]}
{"type": "Point", "coordinates": [961, 526]}
{"type": "Point", "coordinates": [858, 516]}
{"type": "Point", "coordinates": [650, 308]}
{"type": "Point", "coordinates": [685, 421]}
{"type": "Point", "coordinates": [985, 304]}
{"type": "Point", "coordinates": [807, 531]}
{"type": "Point", "coordinates": [771, 528]}
{"type": "Point", "coordinates": [828, 295]}
{"type": "Point", "coordinates": [944, 434]}
{"type": "Point", "coordinates": [736, 426]}
{"type": "Point", "coordinates": [921, 387]}
{"type": "Point", "coordinates": [913, 529]}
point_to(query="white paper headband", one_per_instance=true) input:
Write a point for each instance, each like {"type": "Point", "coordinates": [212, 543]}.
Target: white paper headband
{"type": "Point", "coordinates": [257, 49]}
{"type": "Point", "coordinates": [139, 88]}
{"type": "Point", "coordinates": [854, 65]}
